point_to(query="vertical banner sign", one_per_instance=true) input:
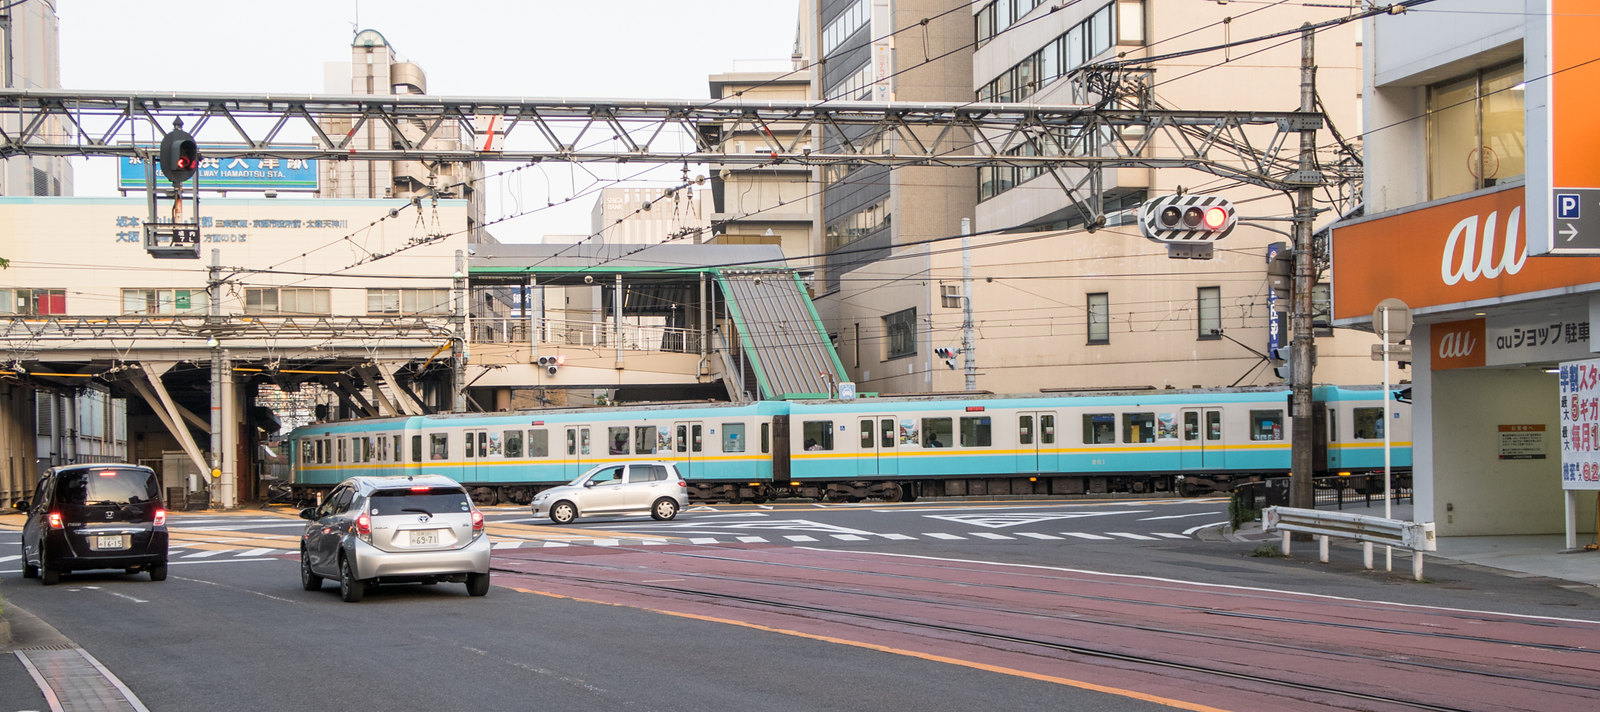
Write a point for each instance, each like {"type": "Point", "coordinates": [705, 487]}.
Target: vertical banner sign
{"type": "Point", "coordinates": [1561, 66]}
{"type": "Point", "coordinates": [1274, 325]}
{"type": "Point", "coordinates": [1580, 425]}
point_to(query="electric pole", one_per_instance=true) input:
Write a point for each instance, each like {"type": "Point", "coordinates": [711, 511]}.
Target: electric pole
{"type": "Point", "coordinates": [1303, 348]}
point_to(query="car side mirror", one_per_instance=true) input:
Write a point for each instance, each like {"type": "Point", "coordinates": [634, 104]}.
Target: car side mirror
{"type": "Point", "coordinates": [20, 505]}
{"type": "Point", "coordinates": [309, 513]}
{"type": "Point", "coordinates": [588, 483]}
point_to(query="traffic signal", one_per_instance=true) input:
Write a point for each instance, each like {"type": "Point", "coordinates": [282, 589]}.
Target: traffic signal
{"type": "Point", "coordinates": [551, 364]}
{"type": "Point", "coordinates": [948, 354]}
{"type": "Point", "coordinates": [1187, 218]}
{"type": "Point", "coordinates": [1282, 362]}
{"type": "Point", "coordinates": [180, 156]}
{"type": "Point", "coordinates": [1280, 270]}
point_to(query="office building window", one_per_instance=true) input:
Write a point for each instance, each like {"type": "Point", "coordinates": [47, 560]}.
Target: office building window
{"type": "Point", "coordinates": [165, 301]}
{"type": "Point", "coordinates": [1099, 318]}
{"type": "Point", "coordinates": [900, 329]}
{"type": "Point", "coordinates": [1210, 312]}
{"type": "Point", "coordinates": [33, 302]}
{"type": "Point", "coordinates": [287, 300]}
{"type": "Point", "coordinates": [408, 301]}
{"type": "Point", "coordinates": [1476, 134]}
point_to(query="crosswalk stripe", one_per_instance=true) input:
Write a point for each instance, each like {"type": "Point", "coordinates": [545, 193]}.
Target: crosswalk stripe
{"type": "Point", "coordinates": [898, 537]}
{"type": "Point", "coordinates": [800, 537]}
{"type": "Point", "coordinates": [555, 544]}
{"type": "Point", "coordinates": [12, 557]}
{"type": "Point", "coordinates": [654, 542]}
{"type": "Point", "coordinates": [1171, 535]}
{"type": "Point", "coordinates": [753, 539]}
{"type": "Point", "coordinates": [497, 546]}
{"type": "Point", "coordinates": [703, 540]}
{"type": "Point", "coordinates": [1091, 537]}
{"type": "Point", "coordinates": [1126, 535]}
{"type": "Point", "coordinates": [203, 554]}
{"type": "Point", "coordinates": [849, 537]}
{"type": "Point", "coordinates": [256, 552]}
{"type": "Point", "coordinates": [941, 535]}
{"type": "Point", "coordinates": [605, 542]}
{"type": "Point", "coordinates": [992, 535]}
{"type": "Point", "coordinates": [1035, 535]}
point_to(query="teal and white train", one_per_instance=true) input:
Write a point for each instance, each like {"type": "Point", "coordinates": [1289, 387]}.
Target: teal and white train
{"type": "Point", "coordinates": [896, 449]}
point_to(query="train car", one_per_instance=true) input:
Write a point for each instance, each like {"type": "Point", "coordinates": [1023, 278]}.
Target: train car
{"type": "Point", "coordinates": [895, 449]}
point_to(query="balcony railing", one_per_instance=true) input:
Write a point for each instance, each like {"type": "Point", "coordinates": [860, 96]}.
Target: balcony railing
{"type": "Point", "coordinates": [585, 333]}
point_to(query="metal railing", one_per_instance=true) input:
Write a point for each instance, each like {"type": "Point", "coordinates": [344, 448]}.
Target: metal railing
{"type": "Point", "coordinates": [586, 333]}
{"type": "Point", "coordinates": [1369, 530]}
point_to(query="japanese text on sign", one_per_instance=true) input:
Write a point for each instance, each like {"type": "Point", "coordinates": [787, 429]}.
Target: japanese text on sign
{"type": "Point", "coordinates": [1580, 425]}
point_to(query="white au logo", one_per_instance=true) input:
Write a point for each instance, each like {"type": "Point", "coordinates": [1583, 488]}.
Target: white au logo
{"type": "Point", "coordinates": [1469, 254]}
{"type": "Point", "coordinates": [1457, 344]}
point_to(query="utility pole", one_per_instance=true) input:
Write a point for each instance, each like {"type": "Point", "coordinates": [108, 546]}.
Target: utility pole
{"type": "Point", "coordinates": [1303, 348]}
{"type": "Point", "coordinates": [968, 357]}
{"type": "Point", "coordinates": [458, 342]}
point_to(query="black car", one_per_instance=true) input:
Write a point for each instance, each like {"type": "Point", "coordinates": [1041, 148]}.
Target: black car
{"type": "Point", "coordinates": [100, 516]}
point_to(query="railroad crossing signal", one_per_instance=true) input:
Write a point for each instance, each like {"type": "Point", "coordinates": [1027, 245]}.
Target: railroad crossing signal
{"type": "Point", "coordinates": [180, 156]}
{"type": "Point", "coordinates": [1187, 223]}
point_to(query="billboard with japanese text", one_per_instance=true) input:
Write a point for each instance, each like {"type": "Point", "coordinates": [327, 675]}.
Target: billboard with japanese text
{"type": "Point", "coordinates": [252, 174]}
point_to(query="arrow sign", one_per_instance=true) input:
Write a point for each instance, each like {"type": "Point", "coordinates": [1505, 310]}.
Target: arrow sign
{"type": "Point", "coordinates": [1570, 232]}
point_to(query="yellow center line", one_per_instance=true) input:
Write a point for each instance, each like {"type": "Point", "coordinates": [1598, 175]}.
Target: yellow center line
{"type": "Point", "coordinates": [1120, 692]}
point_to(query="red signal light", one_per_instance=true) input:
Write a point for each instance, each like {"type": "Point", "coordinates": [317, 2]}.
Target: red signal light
{"type": "Point", "coordinates": [1215, 218]}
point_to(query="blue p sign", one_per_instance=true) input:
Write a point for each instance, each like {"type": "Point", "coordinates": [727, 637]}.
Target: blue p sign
{"type": "Point", "coordinates": [1567, 206]}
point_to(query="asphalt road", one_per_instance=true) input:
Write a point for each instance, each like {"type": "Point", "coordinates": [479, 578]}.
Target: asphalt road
{"type": "Point", "coordinates": [231, 626]}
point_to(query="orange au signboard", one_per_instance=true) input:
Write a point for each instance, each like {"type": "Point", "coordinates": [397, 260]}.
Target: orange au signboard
{"type": "Point", "coordinates": [1454, 252]}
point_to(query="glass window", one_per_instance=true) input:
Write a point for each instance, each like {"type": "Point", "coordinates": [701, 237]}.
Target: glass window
{"type": "Point", "coordinates": [618, 439]}
{"type": "Point", "coordinates": [164, 301]}
{"type": "Point", "coordinates": [1099, 318]}
{"type": "Point", "coordinates": [1138, 427]}
{"type": "Point", "coordinates": [344, 450]}
{"type": "Point", "coordinates": [644, 440]}
{"type": "Point", "coordinates": [416, 448]}
{"type": "Point", "coordinates": [107, 486]}
{"type": "Point", "coordinates": [513, 441]}
{"type": "Point", "coordinates": [1368, 423]}
{"type": "Point", "coordinates": [1191, 426]}
{"type": "Point", "coordinates": [1266, 425]}
{"type": "Point", "coordinates": [33, 302]}
{"type": "Point", "coordinates": [438, 446]}
{"type": "Point", "coordinates": [766, 437]}
{"type": "Point", "coordinates": [866, 435]}
{"type": "Point", "coordinates": [1476, 132]}
{"type": "Point", "coordinates": [1099, 428]}
{"type": "Point", "coordinates": [975, 432]}
{"type": "Point", "coordinates": [901, 328]}
{"type": "Point", "coordinates": [1047, 429]}
{"type": "Point", "coordinates": [1210, 299]}
{"type": "Point", "coordinates": [1025, 430]}
{"type": "Point", "coordinates": [937, 432]}
{"type": "Point", "coordinates": [1213, 425]}
{"type": "Point", "coordinates": [818, 434]}
{"type": "Point", "coordinates": [538, 443]}
{"type": "Point", "coordinates": [733, 437]}
{"type": "Point", "coordinates": [433, 499]}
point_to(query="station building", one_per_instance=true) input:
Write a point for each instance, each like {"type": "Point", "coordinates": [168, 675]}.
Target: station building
{"type": "Point", "coordinates": [1457, 141]}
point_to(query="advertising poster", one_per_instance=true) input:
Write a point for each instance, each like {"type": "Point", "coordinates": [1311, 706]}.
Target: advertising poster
{"type": "Point", "coordinates": [1580, 425]}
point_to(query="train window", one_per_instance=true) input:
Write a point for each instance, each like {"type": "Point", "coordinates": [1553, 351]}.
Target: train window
{"type": "Point", "coordinates": [975, 432]}
{"type": "Point", "coordinates": [766, 437]}
{"type": "Point", "coordinates": [618, 437]}
{"type": "Point", "coordinates": [1368, 422]}
{"type": "Point", "coordinates": [583, 441]}
{"type": "Point", "coordinates": [866, 436]}
{"type": "Point", "coordinates": [1047, 429]}
{"type": "Point", "coordinates": [1138, 427]}
{"type": "Point", "coordinates": [1213, 425]}
{"type": "Point", "coordinates": [572, 442]}
{"type": "Point", "coordinates": [438, 446]}
{"type": "Point", "coordinates": [383, 449]}
{"type": "Point", "coordinates": [1024, 430]}
{"type": "Point", "coordinates": [937, 432]}
{"type": "Point", "coordinates": [1266, 425]}
{"type": "Point", "coordinates": [308, 452]}
{"type": "Point", "coordinates": [1191, 426]}
{"type": "Point", "coordinates": [886, 432]}
{"type": "Point", "coordinates": [494, 443]}
{"type": "Point", "coordinates": [1099, 428]}
{"type": "Point", "coordinates": [538, 443]}
{"type": "Point", "coordinates": [416, 448]}
{"type": "Point", "coordinates": [1333, 425]}
{"type": "Point", "coordinates": [696, 441]}
{"type": "Point", "coordinates": [818, 434]}
{"type": "Point", "coordinates": [398, 447]}
{"type": "Point", "coordinates": [733, 437]}
{"type": "Point", "coordinates": [513, 441]}
{"type": "Point", "coordinates": [644, 440]}
{"type": "Point", "coordinates": [343, 448]}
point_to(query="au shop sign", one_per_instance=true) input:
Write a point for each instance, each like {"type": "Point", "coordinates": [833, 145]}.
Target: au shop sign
{"type": "Point", "coordinates": [1509, 341]}
{"type": "Point", "coordinates": [1469, 249]}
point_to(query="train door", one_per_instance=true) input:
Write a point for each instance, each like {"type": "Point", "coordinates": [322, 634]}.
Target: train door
{"type": "Point", "coordinates": [477, 452]}
{"type": "Point", "coordinates": [1202, 438]}
{"type": "Point", "coordinates": [879, 445]}
{"type": "Point", "coordinates": [575, 454]}
{"type": "Point", "coordinates": [1036, 442]}
{"type": "Point", "coordinates": [688, 443]}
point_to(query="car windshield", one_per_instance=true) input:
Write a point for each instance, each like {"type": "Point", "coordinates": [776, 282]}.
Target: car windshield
{"type": "Point", "coordinates": [422, 500]}
{"type": "Point", "coordinates": [108, 486]}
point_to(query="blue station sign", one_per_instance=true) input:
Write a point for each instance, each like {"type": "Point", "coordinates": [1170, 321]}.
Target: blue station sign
{"type": "Point", "coordinates": [254, 174]}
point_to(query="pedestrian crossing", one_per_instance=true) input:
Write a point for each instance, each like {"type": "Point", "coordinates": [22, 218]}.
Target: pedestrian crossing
{"type": "Point", "coordinates": [501, 544]}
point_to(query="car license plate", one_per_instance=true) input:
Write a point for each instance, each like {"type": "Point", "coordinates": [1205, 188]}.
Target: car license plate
{"type": "Point", "coordinates": [109, 541]}
{"type": "Point", "coordinates": [425, 538]}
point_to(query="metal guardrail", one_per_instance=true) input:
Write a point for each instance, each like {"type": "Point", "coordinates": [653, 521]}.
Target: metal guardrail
{"type": "Point", "coordinates": [1416, 536]}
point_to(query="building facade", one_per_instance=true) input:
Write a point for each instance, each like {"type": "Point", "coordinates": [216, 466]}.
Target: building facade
{"type": "Point", "coordinates": [1456, 138]}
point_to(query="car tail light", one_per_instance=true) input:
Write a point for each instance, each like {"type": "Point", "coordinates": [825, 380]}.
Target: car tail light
{"type": "Point", "coordinates": [161, 516]}
{"type": "Point", "coordinates": [420, 488]}
{"type": "Point", "coordinates": [55, 520]}
{"type": "Point", "coordinates": [683, 484]}
{"type": "Point", "coordinates": [477, 522]}
{"type": "Point", "coordinates": [364, 527]}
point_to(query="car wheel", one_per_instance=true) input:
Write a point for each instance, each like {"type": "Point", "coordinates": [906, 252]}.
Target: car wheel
{"type": "Point", "coordinates": [158, 572]}
{"type": "Point", "coordinates": [563, 513]}
{"type": "Point", "coordinates": [478, 584]}
{"type": "Point", "coordinates": [28, 570]}
{"type": "Point", "coordinates": [665, 509]}
{"type": "Point", "coordinates": [50, 575]}
{"type": "Point", "coordinates": [351, 589]}
{"type": "Point", "coordinates": [308, 581]}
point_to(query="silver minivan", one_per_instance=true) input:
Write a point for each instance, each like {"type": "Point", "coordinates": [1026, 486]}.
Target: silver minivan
{"type": "Point", "coordinates": [617, 488]}
{"type": "Point", "coordinates": [418, 528]}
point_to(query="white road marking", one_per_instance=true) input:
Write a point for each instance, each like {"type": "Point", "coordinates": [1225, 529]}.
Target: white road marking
{"type": "Point", "coordinates": [992, 535]}
{"type": "Point", "coordinates": [1036, 535]}
{"type": "Point", "coordinates": [1127, 535]}
{"type": "Point", "coordinates": [1091, 537]}
{"type": "Point", "coordinates": [941, 535]}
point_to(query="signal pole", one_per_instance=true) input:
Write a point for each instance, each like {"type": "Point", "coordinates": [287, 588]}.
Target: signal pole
{"type": "Point", "coordinates": [970, 359]}
{"type": "Point", "coordinates": [1303, 348]}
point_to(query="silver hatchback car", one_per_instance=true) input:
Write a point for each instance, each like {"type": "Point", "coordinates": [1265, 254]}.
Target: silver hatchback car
{"type": "Point", "coordinates": [420, 528]}
{"type": "Point", "coordinates": [617, 488]}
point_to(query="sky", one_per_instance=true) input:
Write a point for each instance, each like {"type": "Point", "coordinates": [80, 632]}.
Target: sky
{"type": "Point", "coordinates": [645, 49]}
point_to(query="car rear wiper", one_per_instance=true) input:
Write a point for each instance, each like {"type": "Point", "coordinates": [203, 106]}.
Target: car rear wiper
{"type": "Point", "coordinates": [416, 509]}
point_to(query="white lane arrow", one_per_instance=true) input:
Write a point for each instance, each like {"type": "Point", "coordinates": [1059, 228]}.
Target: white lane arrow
{"type": "Point", "coordinates": [1570, 232]}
